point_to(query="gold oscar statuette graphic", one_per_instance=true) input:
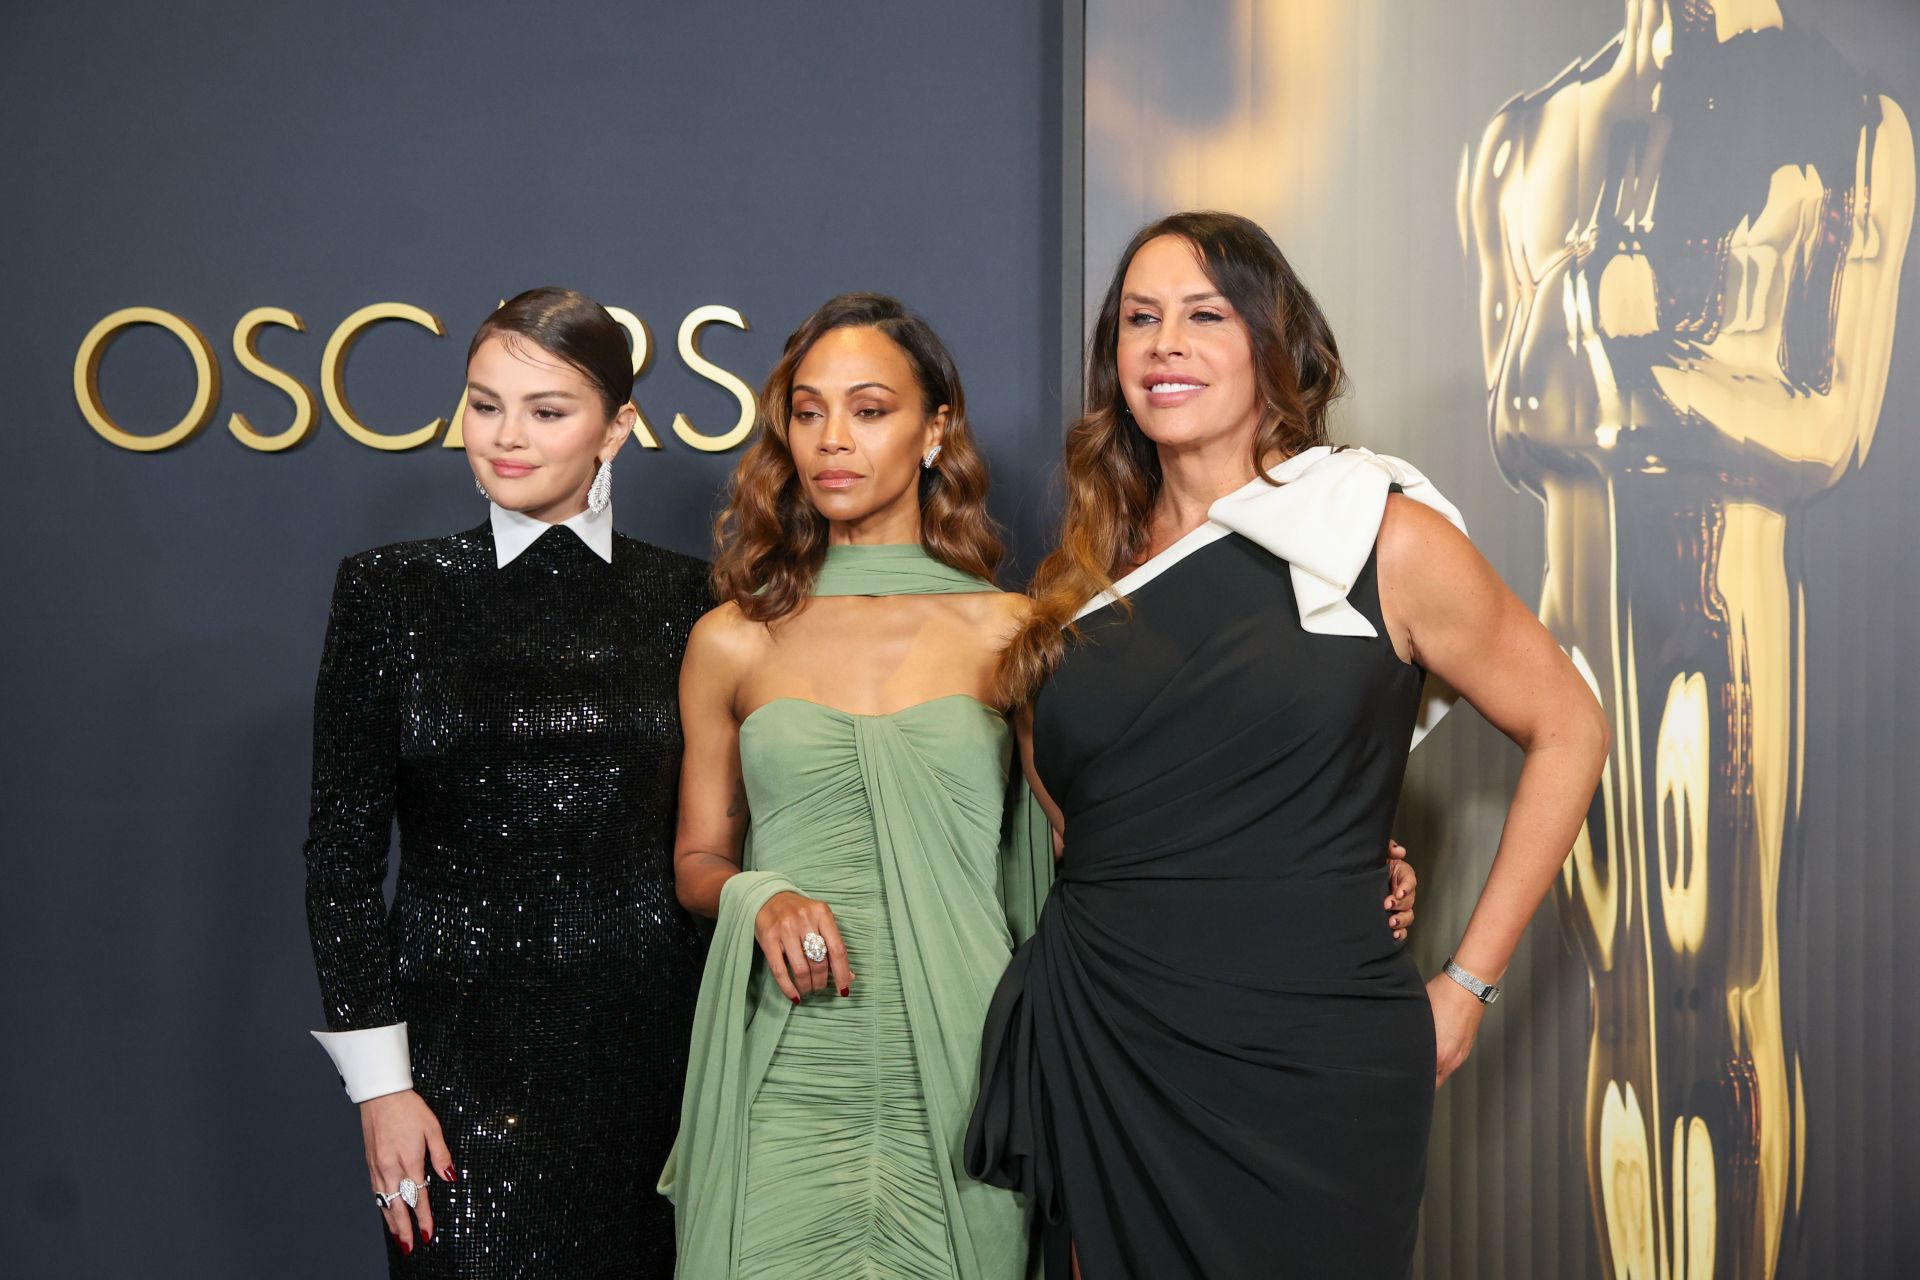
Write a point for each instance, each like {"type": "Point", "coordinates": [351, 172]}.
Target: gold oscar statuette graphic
{"type": "Point", "coordinates": [1689, 247]}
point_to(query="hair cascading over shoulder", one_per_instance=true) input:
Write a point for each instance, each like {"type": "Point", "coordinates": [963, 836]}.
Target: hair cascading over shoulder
{"type": "Point", "coordinates": [770, 541]}
{"type": "Point", "coordinates": [1111, 468]}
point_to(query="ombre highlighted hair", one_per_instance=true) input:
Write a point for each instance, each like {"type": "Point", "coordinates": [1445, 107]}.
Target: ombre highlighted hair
{"type": "Point", "coordinates": [770, 540]}
{"type": "Point", "coordinates": [1111, 468]}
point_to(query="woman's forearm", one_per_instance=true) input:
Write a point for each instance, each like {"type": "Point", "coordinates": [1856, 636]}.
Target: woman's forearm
{"type": "Point", "coordinates": [698, 878]}
{"type": "Point", "coordinates": [1549, 804]}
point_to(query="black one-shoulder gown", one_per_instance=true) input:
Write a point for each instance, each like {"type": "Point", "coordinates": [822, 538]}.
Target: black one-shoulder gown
{"type": "Point", "coordinates": [1213, 1059]}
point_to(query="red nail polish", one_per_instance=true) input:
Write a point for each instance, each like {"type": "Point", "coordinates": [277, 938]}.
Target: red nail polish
{"type": "Point", "coordinates": [406, 1246]}
{"type": "Point", "coordinates": [448, 1174]}
{"type": "Point", "coordinates": [846, 991]}
{"type": "Point", "coordinates": [426, 1233]}
{"type": "Point", "coordinates": [796, 1001]}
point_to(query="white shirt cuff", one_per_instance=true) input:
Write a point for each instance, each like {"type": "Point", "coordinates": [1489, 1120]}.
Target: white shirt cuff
{"type": "Point", "coordinates": [372, 1062]}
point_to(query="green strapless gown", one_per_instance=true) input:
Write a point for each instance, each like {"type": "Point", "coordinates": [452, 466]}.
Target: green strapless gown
{"type": "Point", "coordinates": [825, 1140]}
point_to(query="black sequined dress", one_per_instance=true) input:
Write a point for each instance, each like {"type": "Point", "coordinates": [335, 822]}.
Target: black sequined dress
{"type": "Point", "coordinates": [521, 722]}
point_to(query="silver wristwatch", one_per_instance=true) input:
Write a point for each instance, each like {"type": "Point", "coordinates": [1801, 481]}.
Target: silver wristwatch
{"type": "Point", "coordinates": [1484, 992]}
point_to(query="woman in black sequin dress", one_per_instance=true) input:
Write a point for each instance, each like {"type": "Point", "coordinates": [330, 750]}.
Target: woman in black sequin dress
{"type": "Point", "coordinates": [514, 1027]}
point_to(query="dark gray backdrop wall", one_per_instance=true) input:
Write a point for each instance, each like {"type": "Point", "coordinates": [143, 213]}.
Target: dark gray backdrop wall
{"type": "Point", "coordinates": [168, 1114]}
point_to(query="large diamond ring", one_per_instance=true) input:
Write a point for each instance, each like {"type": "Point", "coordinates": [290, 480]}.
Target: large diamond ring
{"type": "Point", "coordinates": [815, 948]}
{"type": "Point", "coordinates": [410, 1192]}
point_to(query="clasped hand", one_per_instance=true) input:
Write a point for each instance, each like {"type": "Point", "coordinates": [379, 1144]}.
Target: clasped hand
{"type": "Point", "coordinates": [781, 929]}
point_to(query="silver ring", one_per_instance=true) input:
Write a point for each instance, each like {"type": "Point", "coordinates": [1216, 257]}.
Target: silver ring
{"type": "Point", "coordinates": [815, 948]}
{"type": "Point", "coordinates": [410, 1192]}
{"type": "Point", "coordinates": [385, 1198]}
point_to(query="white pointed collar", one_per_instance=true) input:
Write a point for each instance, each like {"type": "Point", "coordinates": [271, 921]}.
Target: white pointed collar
{"type": "Point", "coordinates": [1322, 516]}
{"type": "Point", "coordinates": [514, 532]}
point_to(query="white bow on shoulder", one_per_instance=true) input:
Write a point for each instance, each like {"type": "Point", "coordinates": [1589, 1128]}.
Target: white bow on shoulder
{"type": "Point", "coordinates": [1322, 516]}
{"type": "Point", "coordinates": [1321, 513]}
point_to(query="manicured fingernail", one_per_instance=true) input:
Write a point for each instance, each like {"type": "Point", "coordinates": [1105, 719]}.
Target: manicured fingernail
{"type": "Point", "coordinates": [406, 1246]}
{"type": "Point", "coordinates": [448, 1174]}
{"type": "Point", "coordinates": [796, 1001]}
{"type": "Point", "coordinates": [426, 1233]}
{"type": "Point", "coordinates": [846, 991]}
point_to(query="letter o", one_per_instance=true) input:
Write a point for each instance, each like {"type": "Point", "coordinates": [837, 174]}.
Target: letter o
{"type": "Point", "coordinates": [86, 379]}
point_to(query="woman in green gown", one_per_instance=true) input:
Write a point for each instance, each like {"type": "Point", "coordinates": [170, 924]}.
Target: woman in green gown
{"type": "Point", "coordinates": [842, 695]}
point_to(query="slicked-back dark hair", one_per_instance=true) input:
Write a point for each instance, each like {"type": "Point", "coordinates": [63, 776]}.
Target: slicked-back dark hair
{"type": "Point", "coordinates": [572, 327]}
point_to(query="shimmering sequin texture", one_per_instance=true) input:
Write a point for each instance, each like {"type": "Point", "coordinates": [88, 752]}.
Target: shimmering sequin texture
{"type": "Point", "coordinates": [521, 722]}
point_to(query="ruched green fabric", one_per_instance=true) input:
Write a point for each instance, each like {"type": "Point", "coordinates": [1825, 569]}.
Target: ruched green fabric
{"type": "Point", "coordinates": [825, 1140]}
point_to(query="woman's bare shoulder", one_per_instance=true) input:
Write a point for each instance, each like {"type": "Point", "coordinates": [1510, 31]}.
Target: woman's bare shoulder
{"type": "Point", "coordinates": [1001, 612]}
{"type": "Point", "coordinates": [1416, 543]}
{"type": "Point", "coordinates": [726, 634]}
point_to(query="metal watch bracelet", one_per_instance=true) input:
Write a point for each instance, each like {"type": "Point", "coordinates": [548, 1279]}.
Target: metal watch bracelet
{"type": "Point", "coordinates": [1484, 992]}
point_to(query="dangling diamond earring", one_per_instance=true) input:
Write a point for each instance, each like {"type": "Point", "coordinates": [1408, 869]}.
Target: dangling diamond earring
{"type": "Point", "coordinates": [481, 489]}
{"type": "Point", "coordinates": [933, 454]}
{"type": "Point", "coordinates": [600, 492]}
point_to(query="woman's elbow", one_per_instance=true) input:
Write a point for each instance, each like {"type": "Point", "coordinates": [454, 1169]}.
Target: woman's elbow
{"type": "Point", "coordinates": [1573, 727]}
{"type": "Point", "coordinates": [1594, 731]}
{"type": "Point", "coordinates": [694, 887]}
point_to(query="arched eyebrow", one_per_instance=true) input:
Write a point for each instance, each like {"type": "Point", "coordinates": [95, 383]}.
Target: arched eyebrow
{"type": "Point", "coordinates": [858, 386]}
{"type": "Point", "coordinates": [485, 390]}
{"type": "Point", "coordinates": [1215, 296]}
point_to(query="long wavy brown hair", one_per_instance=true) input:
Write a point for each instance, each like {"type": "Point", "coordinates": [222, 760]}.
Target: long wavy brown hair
{"type": "Point", "coordinates": [1111, 468]}
{"type": "Point", "coordinates": [770, 540]}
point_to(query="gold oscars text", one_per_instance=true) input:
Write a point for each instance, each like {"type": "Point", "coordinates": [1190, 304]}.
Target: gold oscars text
{"type": "Point", "coordinates": [333, 385]}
